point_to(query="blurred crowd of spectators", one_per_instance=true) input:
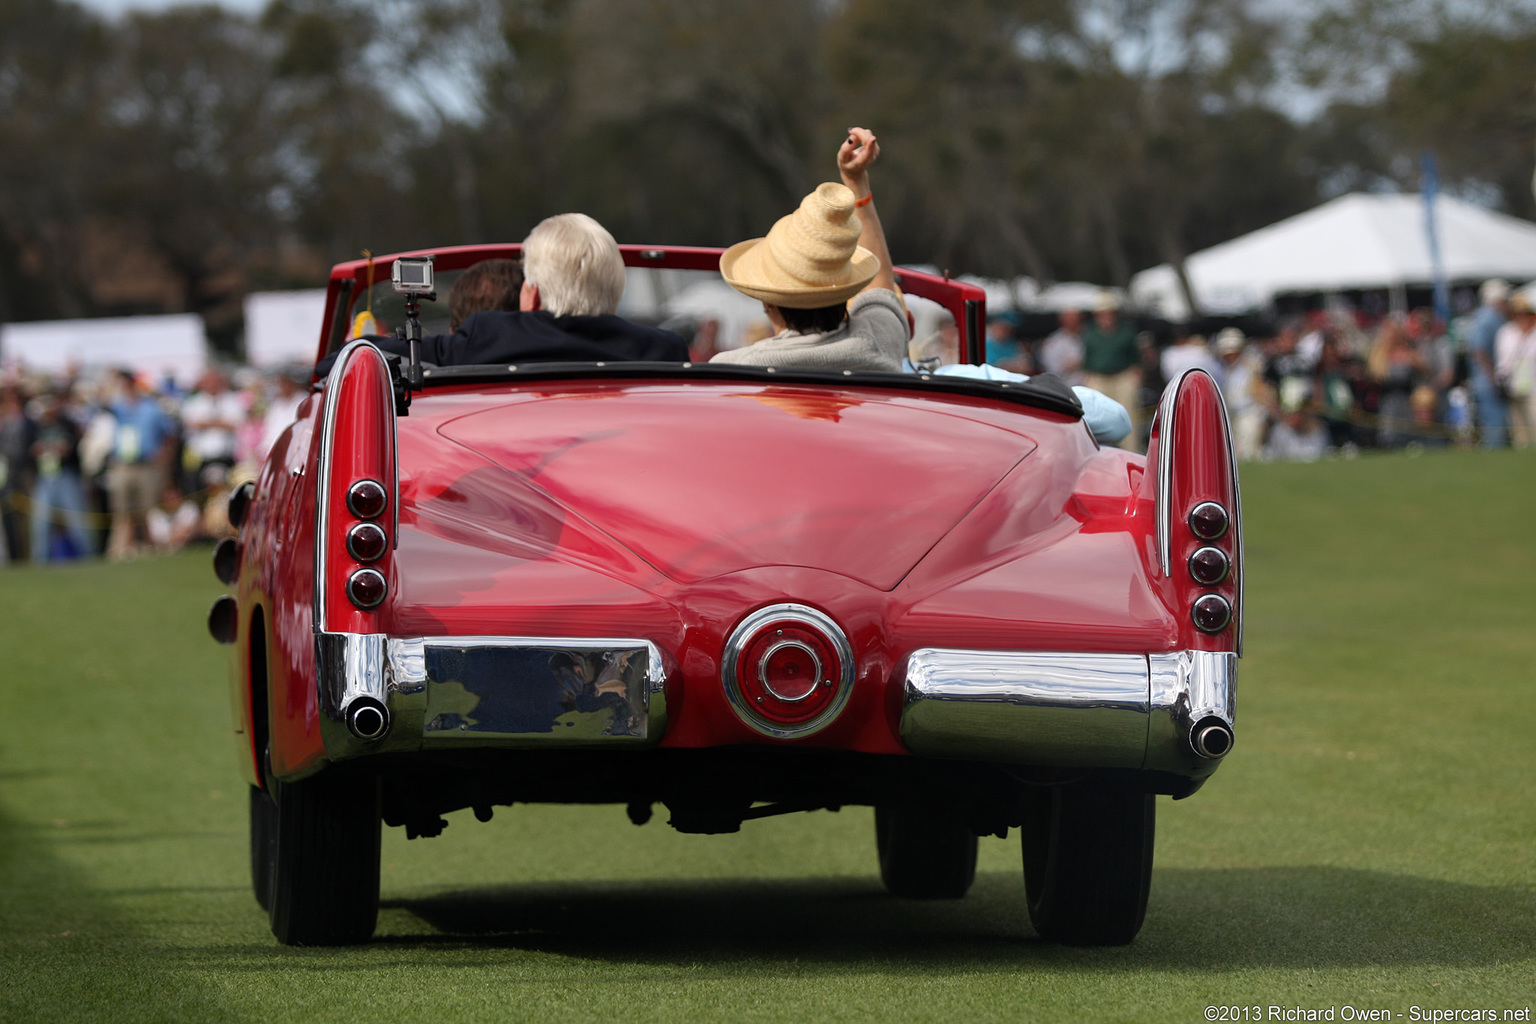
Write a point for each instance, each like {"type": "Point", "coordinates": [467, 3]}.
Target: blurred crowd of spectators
{"type": "Point", "coordinates": [1325, 382]}
{"type": "Point", "coordinates": [116, 465]}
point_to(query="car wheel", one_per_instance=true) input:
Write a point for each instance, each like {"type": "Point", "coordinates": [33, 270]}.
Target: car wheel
{"type": "Point", "coordinates": [263, 845]}
{"type": "Point", "coordinates": [1088, 863]}
{"type": "Point", "coordinates": [325, 864]}
{"type": "Point", "coordinates": [925, 854]}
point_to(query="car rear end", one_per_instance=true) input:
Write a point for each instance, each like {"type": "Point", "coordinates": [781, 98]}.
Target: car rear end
{"type": "Point", "coordinates": [733, 593]}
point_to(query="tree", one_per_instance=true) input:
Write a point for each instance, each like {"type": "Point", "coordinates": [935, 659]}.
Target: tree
{"type": "Point", "coordinates": [1470, 96]}
{"type": "Point", "coordinates": [678, 118]}
{"type": "Point", "coordinates": [189, 150]}
{"type": "Point", "coordinates": [1177, 90]}
{"type": "Point", "coordinates": [51, 96]}
{"type": "Point", "coordinates": [1070, 139]}
{"type": "Point", "coordinates": [963, 112]}
{"type": "Point", "coordinates": [347, 151]}
{"type": "Point", "coordinates": [1416, 75]}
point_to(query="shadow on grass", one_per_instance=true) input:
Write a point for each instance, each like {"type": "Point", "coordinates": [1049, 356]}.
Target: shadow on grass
{"type": "Point", "coordinates": [24, 775]}
{"type": "Point", "coordinates": [78, 957]}
{"type": "Point", "coordinates": [105, 831]}
{"type": "Point", "coordinates": [1232, 918]}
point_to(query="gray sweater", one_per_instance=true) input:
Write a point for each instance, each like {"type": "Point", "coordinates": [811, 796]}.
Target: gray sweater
{"type": "Point", "coordinates": [874, 337]}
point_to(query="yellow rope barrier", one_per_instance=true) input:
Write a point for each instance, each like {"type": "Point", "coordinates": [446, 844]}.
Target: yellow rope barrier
{"type": "Point", "coordinates": [21, 502]}
{"type": "Point", "coordinates": [1371, 420]}
{"type": "Point", "coordinates": [1400, 426]}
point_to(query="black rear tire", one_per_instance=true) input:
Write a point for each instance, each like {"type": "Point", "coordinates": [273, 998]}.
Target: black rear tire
{"type": "Point", "coordinates": [325, 866]}
{"type": "Point", "coordinates": [925, 853]}
{"type": "Point", "coordinates": [1088, 863]}
{"type": "Point", "coordinates": [263, 845]}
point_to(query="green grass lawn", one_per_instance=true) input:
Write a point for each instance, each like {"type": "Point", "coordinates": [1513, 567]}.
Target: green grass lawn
{"type": "Point", "coordinates": [1370, 843]}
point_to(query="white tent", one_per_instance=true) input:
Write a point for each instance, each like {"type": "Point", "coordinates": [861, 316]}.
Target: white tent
{"type": "Point", "coordinates": [283, 327]}
{"type": "Point", "coordinates": [1355, 241]}
{"type": "Point", "coordinates": [1027, 295]}
{"type": "Point", "coordinates": [1079, 295]}
{"type": "Point", "coordinates": [160, 346]}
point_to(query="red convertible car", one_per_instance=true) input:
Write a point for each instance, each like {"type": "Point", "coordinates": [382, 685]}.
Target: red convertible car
{"type": "Point", "coordinates": [728, 592]}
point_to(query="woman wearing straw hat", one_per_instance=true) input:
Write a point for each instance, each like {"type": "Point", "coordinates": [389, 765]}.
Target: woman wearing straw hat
{"type": "Point", "coordinates": [823, 274]}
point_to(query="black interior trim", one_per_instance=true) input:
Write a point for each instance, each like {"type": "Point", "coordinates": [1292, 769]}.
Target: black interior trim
{"type": "Point", "coordinates": [1044, 391]}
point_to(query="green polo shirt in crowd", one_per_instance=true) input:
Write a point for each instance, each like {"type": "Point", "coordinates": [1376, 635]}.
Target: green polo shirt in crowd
{"type": "Point", "coordinates": [1110, 353]}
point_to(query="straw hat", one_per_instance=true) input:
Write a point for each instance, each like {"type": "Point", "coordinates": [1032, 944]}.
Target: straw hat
{"type": "Point", "coordinates": [811, 258]}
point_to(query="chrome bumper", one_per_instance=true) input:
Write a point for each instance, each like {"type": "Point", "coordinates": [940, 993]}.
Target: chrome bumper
{"type": "Point", "coordinates": [1075, 710]}
{"type": "Point", "coordinates": [382, 694]}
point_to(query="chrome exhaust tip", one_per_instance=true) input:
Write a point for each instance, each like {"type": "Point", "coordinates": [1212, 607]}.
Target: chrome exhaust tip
{"type": "Point", "coordinates": [1211, 737]}
{"type": "Point", "coordinates": [367, 718]}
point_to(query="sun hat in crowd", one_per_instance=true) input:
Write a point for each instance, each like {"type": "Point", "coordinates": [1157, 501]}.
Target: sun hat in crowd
{"type": "Point", "coordinates": [1520, 306]}
{"type": "Point", "coordinates": [1230, 339]}
{"type": "Point", "coordinates": [811, 258]}
{"type": "Point", "coordinates": [1493, 290]}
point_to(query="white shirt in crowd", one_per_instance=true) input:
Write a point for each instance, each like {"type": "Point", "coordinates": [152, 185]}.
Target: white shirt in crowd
{"type": "Point", "coordinates": [1178, 358]}
{"type": "Point", "coordinates": [210, 421]}
{"type": "Point", "coordinates": [1062, 354]}
{"type": "Point", "coordinates": [281, 411]}
{"type": "Point", "coordinates": [1515, 357]}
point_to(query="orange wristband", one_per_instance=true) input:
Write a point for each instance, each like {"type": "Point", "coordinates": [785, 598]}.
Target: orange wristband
{"type": "Point", "coordinates": [865, 201]}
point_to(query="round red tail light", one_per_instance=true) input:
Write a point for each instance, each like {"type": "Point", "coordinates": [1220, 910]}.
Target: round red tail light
{"type": "Point", "coordinates": [366, 588]}
{"type": "Point", "coordinates": [790, 670]}
{"type": "Point", "coordinates": [367, 499]}
{"type": "Point", "coordinates": [1212, 613]}
{"type": "Point", "coordinates": [787, 670]}
{"type": "Point", "coordinates": [1209, 566]}
{"type": "Point", "coordinates": [1208, 521]}
{"type": "Point", "coordinates": [367, 542]}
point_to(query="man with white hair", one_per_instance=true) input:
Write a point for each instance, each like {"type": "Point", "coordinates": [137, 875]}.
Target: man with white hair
{"type": "Point", "coordinates": [1492, 417]}
{"type": "Point", "coordinates": [572, 267]}
{"type": "Point", "coordinates": [573, 279]}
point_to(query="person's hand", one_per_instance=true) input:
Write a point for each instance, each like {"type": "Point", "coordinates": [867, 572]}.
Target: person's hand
{"type": "Point", "coordinates": [854, 157]}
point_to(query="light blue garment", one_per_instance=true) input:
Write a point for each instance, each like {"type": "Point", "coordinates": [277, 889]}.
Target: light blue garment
{"type": "Point", "coordinates": [1485, 327]}
{"type": "Point", "coordinates": [1489, 403]}
{"type": "Point", "coordinates": [1106, 418]}
{"type": "Point", "coordinates": [142, 427]}
{"type": "Point", "coordinates": [60, 492]}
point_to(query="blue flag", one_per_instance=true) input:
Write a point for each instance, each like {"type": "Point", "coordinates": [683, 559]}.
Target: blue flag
{"type": "Point", "coordinates": [1430, 189]}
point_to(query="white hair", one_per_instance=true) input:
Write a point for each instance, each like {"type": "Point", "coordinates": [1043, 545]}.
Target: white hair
{"type": "Point", "coordinates": [576, 264]}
